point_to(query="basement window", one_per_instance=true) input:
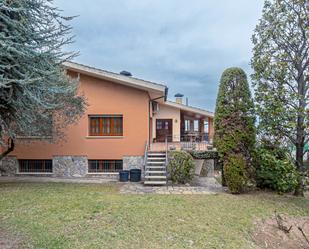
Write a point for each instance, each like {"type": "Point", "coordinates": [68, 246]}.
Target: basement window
{"type": "Point", "coordinates": [35, 166]}
{"type": "Point", "coordinates": [104, 166]}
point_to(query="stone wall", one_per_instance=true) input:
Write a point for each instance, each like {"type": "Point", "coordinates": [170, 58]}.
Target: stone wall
{"type": "Point", "coordinates": [133, 162]}
{"type": "Point", "coordinates": [204, 167]}
{"type": "Point", "coordinates": [8, 166]}
{"type": "Point", "coordinates": [209, 165]}
{"type": "Point", "coordinates": [70, 166]}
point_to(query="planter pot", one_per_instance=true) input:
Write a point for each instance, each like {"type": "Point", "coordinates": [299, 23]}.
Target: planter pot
{"type": "Point", "coordinates": [124, 175]}
{"type": "Point", "coordinates": [135, 175]}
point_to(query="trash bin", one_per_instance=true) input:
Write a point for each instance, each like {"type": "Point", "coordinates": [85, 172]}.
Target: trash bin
{"type": "Point", "coordinates": [135, 175]}
{"type": "Point", "coordinates": [124, 175]}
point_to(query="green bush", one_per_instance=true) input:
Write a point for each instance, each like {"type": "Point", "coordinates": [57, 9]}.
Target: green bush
{"type": "Point", "coordinates": [181, 167]}
{"type": "Point", "coordinates": [209, 154]}
{"type": "Point", "coordinates": [275, 171]}
{"type": "Point", "coordinates": [234, 171]}
{"type": "Point", "coordinates": [234, 124]}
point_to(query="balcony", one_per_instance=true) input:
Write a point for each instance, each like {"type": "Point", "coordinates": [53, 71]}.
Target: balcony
{"type": "Point", "coordinates": [189, 141]}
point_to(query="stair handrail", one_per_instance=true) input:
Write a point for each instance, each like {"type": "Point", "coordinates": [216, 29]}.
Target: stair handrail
{"type": "Point", "coordinates": [145, 155]}
{"type": "Point", "coordinates": [166, 155]}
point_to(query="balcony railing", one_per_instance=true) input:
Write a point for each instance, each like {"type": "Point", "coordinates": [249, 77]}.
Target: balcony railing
{"type": "Point", "coordinates": [194, 137]}
{"type": "Point", "coordinates": [198, 142]}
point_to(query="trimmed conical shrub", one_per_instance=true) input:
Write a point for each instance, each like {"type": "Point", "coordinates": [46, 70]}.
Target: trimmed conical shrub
{"type": "Point", "coordinates": [234, 128]}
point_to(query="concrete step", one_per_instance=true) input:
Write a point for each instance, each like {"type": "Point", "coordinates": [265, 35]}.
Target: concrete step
{"type": "Point", "coordinates": [161, 163]}
{"type": "Point", "coordinates": [155, 167]}
{"type": "Point", "coordinates": [155, 172]}
{"type": "Point", "coordinates": [156, 160]}
{"type": "Point", "coordinates": [155, 182]}
{"type": "Point", "coordinates": [161, 157]}
{"type": "Point", "coordinates": [155, 154]}
{"type": "Point", "coordinates": [155, 177]}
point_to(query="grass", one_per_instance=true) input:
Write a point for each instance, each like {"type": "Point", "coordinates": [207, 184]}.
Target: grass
{"type": "Point", "coordinates": [56, 215]}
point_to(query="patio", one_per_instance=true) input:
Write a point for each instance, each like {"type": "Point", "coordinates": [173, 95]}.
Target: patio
{"type": "Point", "coordinates": [200, 185]}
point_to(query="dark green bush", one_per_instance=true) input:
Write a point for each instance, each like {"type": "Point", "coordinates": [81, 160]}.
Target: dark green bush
{"type": "Point", "coordinates": [181, 167]}
{"type": "Point", "coordinates": [234, 125]}
{"type": "Point", "coordinates": [209, 154]}
{"type": "Point", "coordinates": [234, 170]}
{"type": "Point", "coordinates": [275, 171]}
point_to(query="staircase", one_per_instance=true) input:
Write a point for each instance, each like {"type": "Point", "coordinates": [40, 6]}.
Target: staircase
{"type": "Point", "coordinates": [155, 168]}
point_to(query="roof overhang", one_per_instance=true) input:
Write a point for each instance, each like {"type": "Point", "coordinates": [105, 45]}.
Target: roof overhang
{"type": "Point", "coordinates": [190, 109]}
{"type": "Point", "coordinates": [155, 90]}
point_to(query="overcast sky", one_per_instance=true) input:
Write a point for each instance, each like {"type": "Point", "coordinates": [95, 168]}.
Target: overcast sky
{"type": "Point", "coordinates": [183, 44]}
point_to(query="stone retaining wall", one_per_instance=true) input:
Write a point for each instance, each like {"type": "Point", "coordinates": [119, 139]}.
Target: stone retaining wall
{"type": "Point", "coordinates": [133, 162]}
{"type": "Point", "coordinates": [8, 166]}
{"type": "Point", "coordinates": [70, 166]}
{"type": "Point", "coordinates": [204, 167]}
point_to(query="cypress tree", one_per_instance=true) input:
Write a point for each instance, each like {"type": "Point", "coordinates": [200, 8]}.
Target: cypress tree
{"type": "Point", "coordinates": [235, 129]}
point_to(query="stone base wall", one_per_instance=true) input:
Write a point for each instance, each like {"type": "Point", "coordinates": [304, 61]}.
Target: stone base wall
{"type": "Point", "coordinates": [133, 162]}
{"type": "Point", "coordinates": [8, 166]}
{"type": "Point", "coordinates": [111, 176]}
{"type": "Point", "coordinates": [70, 166]}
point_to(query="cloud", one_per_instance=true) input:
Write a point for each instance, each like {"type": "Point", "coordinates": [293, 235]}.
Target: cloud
{"type": "Point", "coordinates": [185, 45]}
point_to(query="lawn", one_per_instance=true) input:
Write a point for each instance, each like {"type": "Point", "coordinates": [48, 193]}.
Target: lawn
{"type": "Point", "coordinates": [57, 215]}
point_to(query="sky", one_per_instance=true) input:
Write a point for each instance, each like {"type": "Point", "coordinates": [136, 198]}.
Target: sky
{"type": "Point", "coordinates": [185, 45]}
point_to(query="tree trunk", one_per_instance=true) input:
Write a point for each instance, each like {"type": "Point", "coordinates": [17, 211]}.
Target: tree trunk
{"type": "Point", "coordinates": [11, 146]}
{"type": "Point", "coordinates": [300, 131]}
{"type": "Point", "coordinates": [299, 190]}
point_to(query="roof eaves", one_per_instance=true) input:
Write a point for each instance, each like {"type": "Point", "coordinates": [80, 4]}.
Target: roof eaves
{"type": "Point", "coordinates": [116, 76]}
{"type": "Point", "coordinates": [190, 108]}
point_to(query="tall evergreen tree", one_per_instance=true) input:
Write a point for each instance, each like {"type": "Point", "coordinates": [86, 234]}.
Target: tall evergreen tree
{"type": "Point", "coordinates": [281, 75]}
{"type": "Point", "coordinates": [234, 128]}
{"type": "Point", "coordinates": [36, 96]}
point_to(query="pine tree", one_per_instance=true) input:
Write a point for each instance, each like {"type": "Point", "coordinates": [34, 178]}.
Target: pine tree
{"type": "Point", "coordinates": [234, 128]}
{"type": "Point", "coordinates": [36, 96]}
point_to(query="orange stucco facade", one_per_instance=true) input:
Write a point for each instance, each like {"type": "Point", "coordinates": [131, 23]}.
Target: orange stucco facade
{"type": "Point", "coordinates": [104, 98]}
{"type": "Point", "coordinates": [120, 96]}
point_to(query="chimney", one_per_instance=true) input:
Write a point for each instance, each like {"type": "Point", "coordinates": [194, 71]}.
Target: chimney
{"type": "Point", "coordinates": [178, 97]}
{"type": "Point", "coordinates": [126, 73]}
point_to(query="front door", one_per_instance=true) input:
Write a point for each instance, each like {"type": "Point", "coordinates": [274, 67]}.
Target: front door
{"type": "Point", "coordinates": [164, 129]}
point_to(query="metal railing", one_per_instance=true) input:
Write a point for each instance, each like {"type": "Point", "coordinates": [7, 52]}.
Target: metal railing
{"type": "Point", "coordinates": [194, 137]}
{"type": "Point", "coordinates": [166, 159]}
{"type": "Point", "coordinates": [182, 142]}
{"type": "Point", "coordinates": [145, 155]}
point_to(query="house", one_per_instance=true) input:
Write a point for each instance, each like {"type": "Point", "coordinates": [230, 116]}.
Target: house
{"type": "Point", "coordinates": [127, 118]}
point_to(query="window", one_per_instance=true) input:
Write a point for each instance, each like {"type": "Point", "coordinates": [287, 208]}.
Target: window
{"type": "Point", "coordinates": [111, 125]}
{"type": "Point", "coordinates": [196, 125]}
{"type": "Point", "coordinates": [102, 166]}
{"type": "Point", "coordinates": [35, 166]}
{"type": "Point", "coordinates": [206, 125]}
{"type": "Point", "coordinates": [159, 125]}
{"type": "Point", "coordinates": [187, 125]}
